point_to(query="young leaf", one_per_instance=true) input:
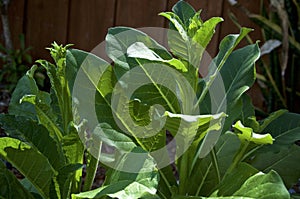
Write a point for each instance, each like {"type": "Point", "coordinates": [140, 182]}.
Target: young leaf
{"type": "Point", "coordinates": [59, 83]}
{"type": "Point", "coordinates": [246, 134]}
{"type": "Point", "coordinates": [205, 33]}
{"type": "Point", "coordinates": [184, 11]}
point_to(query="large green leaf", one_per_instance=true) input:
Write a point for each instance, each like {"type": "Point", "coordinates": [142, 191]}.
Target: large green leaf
{"type": "Point", "coordinates": [238, 74]}
{"type": "Point", "coordinates": [92, 80]}
{"type": "Point", "coordinates": [96, 76]}
{"type": "Point", "coordinates": [46, 117]}
{"type": "Point", "coordinates": [283, 155]}
{"type": "Point", "coordinates": [222, 197]}
{"type": "Point", "coordinates": [205, 174]}
{"type": "Point", "coordinates": [264, 186]}
{"type": "Point", "coordinates": [235, 179]}
{"type": "Point", "coordinates": [118, 41]}
{"type": "Point", "coordinates": [35, 134]}
{"type": "Point", "coordinates": [139, 50]}
{"type": "Point", "coordinates": [32, 164]}
{"type": "Point", "coordinates": [11, 188]}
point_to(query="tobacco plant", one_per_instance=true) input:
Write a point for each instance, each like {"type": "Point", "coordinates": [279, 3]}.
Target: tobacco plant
{"type": "Point", "coordinates": [125, 115]}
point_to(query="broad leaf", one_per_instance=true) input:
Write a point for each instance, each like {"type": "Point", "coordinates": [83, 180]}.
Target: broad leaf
{"type": "Point", "coordinates": [239, 175]}
{"type": "Point", "coordinates": [92, 87]}
{"type": "Point", "coordinates": [32, 164]}
{"type": "Point", "coordinates": [204, 173]}
{"type": "Point", "coordinates": [283, 155]}
{"type": "Point", "coordinates": [118, 41]}
{"type": "Point", "coordinates": [264, 186]}
{"type": "Point", "coordinates": [238, 74]}
{"type": "Point", "coordinates": [35, 134]}
{"type": "Point", "coordinates": [139, 50]}
{"type": "Point", "coordinates": [11, 188]}
{"type": "Point", "coordinates": [46, 117]}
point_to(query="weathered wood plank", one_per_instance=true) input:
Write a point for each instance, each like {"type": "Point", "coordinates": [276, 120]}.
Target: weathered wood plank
{"type": "Point", "coordinates": [46, 21]}
{"type": "Point", "coordinates": [89, 21]}
{"type": "Point", "coordinates": [16, 16]}
{"type": "Point", "coordinates": [140, 13]}
{"type": "Point", "coordinates": [228, 27]}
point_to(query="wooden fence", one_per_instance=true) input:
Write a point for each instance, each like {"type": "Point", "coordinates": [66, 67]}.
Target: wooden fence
{"type": "Point", "coordinates": [85, 22]}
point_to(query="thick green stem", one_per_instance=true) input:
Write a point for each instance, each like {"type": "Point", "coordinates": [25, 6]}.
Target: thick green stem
{"type": "Point", "coordinates": [183, 173]}
{"type": "Point", "coordinates": [91, 170]}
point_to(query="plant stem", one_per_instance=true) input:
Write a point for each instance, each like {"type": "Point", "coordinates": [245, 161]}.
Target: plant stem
{"type": "Point", "coordinates": [183, 174]}
{"type": "Point", "coordinates": [215, 164]}
{"type": "Point", "coordinates": [91, 170]}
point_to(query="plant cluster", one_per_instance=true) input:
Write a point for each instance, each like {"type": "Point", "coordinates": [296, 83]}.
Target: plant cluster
{"type": "Point", "coordinates": [279, 23]}
{"type": "Point", "coordinates": [221, 150]}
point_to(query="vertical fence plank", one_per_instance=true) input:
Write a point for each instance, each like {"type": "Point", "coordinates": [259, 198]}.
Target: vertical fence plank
{"type": "Point", "coordinates": [16, 16]}
{"type": "Point", "coordinates": [142, 13]}
{"type": "Point", "coordinates": [89, 21]}
{"type": "Point", "coordinates": [228, 27]}
{"type": "Point", "coordinates": [46, 21]}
